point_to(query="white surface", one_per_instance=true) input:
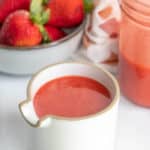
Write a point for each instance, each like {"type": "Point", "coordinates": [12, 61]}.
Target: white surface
{"type": "Point", "coordinates": [133, 122]}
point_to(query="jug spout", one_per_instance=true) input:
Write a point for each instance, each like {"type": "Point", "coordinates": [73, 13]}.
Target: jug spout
{"type": "Point", "coordinates": [27, 110]}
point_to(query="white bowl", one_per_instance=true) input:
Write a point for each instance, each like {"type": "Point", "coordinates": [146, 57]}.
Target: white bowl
{"type": "Point", "coordinates": [27, 60]}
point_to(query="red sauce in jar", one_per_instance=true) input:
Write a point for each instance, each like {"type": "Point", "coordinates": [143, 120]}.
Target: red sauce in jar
{"type": "Point", "coordinates": [134, 64]}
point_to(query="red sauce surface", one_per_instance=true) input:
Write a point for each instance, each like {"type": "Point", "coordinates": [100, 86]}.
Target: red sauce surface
{"type": "Point", "coordinates": [71, 96]}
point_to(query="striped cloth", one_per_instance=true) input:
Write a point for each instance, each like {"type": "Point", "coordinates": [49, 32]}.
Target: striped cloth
{"type": "Point", "coordinates": [102, 31]}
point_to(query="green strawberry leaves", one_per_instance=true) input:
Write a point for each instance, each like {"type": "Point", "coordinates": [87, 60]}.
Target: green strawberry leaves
{"type": "Point", "coordinates": [40, 16]}
{"type": "Point", "coordinates": [45, 2]}
{"type": "Point", "coordinates": [44, 33]}
{"type": "Point", "coordinates": [45, 16]}
{"type": "Point", "coordinates": [38, 12]}
{"type": "Point", "coordinates": [88, 6]}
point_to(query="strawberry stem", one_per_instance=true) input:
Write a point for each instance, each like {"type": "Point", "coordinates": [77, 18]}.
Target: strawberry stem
{"type": "Point", "coordinates": [88, 6]}
{"type": "Point", "coordinates": [45, 2]}
{"type": "Point", "coordinates": [44, 33]}
{"type": "Point", "coordinates": [38, 13]}
{"type": "Point", "coordinates": [40, 16]}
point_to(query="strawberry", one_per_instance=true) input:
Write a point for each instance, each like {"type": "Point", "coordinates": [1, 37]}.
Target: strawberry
{"type": "Point", "coordinates": [19, 30]}
{"type": "Point", "coordinates": [66, 13]}
{"type": "Point", "coordinates": [54, 33]}
{"type": "Point", "coordinates": [22, 28]}
{"type": "Point", "coordinates": [8, 6]}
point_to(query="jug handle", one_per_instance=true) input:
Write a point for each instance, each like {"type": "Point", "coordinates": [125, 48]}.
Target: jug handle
{"type": "Point", "coordinates": [28, 113]}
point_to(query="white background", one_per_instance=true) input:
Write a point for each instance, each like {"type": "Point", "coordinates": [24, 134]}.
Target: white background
{"type": "Point", "coordinates": [133, 131]}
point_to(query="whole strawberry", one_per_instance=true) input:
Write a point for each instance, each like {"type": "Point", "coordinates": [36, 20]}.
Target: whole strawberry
{"type": "Point", "coordinates": [66, 13]}
{"type": "Point", "coordinates": [54, 33]}
{"type": "Point", "coordinates": [8, 6]}
{"type": "Point", "coordinates": [19, 30]}
{"type": "Point", "coordinates": [22, 28]}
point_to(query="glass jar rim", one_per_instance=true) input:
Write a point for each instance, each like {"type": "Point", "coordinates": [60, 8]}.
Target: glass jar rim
{"type": "Point", "coordinates": [141, 6]}
{"type": "Point", "coordinates": [137, 11]}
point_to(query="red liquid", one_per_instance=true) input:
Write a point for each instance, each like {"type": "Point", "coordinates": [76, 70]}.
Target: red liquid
{"type": "Point", "coordinates": [135, 51]}
{"type": "Point", "coordinates": [71, 96]}
{"type": "Point", "coordinates": [135, 81]}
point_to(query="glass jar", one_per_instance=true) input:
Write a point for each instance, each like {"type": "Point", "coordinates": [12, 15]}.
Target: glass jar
{"type": "Point", "coordinates": [134, 67]}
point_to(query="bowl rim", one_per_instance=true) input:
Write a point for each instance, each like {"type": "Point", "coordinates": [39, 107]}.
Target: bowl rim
{"type": "Point", "coordinates": [43, 46]}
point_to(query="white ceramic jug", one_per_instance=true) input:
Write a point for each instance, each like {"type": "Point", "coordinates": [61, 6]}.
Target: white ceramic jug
{"type": "Point", "coordinates": [94, 132]}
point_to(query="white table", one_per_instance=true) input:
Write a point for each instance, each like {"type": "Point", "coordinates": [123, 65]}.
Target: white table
{"type": "Point", "coordinates": [133, 123]}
